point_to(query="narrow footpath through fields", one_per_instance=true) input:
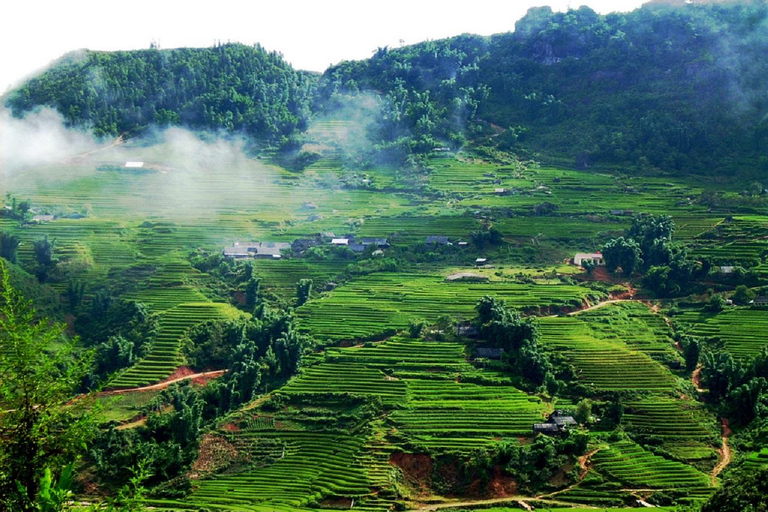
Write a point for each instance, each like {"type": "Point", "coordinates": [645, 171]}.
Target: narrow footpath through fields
{"type": "Point", "coordinates": [725, 452]}
{"type": "Point", "coordinates": [167, 383]}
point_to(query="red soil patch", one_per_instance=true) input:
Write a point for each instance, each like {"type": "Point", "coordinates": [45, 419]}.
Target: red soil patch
{"type": "Point", "coordinates": [181, 371]}
{"type": "Point", "coordinates": [230, 427]}
{"type": "Point", "coordinates": [215, 453]}
{"type": "Point", "coordinates": [501, 484]}
{"type": "Point", "coordinates": [416, 467]}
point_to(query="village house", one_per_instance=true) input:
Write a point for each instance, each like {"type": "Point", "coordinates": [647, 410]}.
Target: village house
{"type": "Point", "coordinates": [481, 261]}
{"type": "Point", "coordinates": [300, 245]}
{"type": "Point", "coordinates": [760, 301]}
{"type": "Point", "coordinates": [381, 243]}
{"type": "Point", "coordinates": [271, 250]}
{"type": "Point", "coordinates": [559, 421]}
{"type": "Point", "coordinates": [595, 258]}
{"type": "Point", "coordinates": [437, 240]}
{"type": "Point", "coordinates": [37, 219]}
{"type": "Point", "coordinates": [489, 352]}
{"type": "Point", "coordinates": [262, 250]}
{"type": "Point", "coordinates": [467, 330]}
{"type": "Point", "coordinates": [240, 250]}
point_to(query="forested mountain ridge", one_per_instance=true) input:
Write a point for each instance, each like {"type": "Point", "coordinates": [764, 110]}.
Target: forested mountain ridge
{"type": "Point", "coordinates": [673, 87]}
{"type": "Point", "coordinates": [231, 87]}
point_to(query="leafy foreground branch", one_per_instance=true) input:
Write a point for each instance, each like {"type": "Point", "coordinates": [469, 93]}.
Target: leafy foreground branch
{"type": "Point", "coordinates": [40, 434]}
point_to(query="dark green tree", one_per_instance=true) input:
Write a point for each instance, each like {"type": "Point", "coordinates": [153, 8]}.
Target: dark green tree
{"type": "Point", "coordinates": [303, 291]}
{"type": "Point", "coordinates": [746, 491]}
{"type": "Point", "coordinates": [37, 433]}
{"type": "Point", "coordinates": [624, 253]}
{"type": "Point", "coordinates": [8, 246]}
{"type": "Point", "coordinates": [251, 291]}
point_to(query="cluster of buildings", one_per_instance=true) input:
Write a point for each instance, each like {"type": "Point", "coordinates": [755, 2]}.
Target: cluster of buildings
{"type": "Point", "coordinates": [274, 250]}
{"type": "Point", "coordinates": [559, 421]}
{"type": "Point", "coordinates": [265, 250]}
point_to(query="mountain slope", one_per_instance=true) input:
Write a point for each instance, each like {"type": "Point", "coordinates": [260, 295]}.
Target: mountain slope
{"type": "Point", "coordinates": [230, 87]}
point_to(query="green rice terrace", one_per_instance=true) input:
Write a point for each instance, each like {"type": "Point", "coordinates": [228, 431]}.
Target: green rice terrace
{"type": "Point", "coordinates": [378, 389]}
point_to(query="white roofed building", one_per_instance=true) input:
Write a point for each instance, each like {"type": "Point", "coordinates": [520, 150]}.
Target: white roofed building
{"type": "Point", "coordinates": [582, 257]}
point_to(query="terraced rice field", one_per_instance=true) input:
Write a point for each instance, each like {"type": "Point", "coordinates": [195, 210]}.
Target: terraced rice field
{"type": "Point", "coordinates": [684, 427]}
{"type": "Point", "coordinates": [378, 303]}
{"type": "Point", "coordinates": [165, 354]}
{"type": "Point", "coordinates": [757, 459]}
{"type": "Point", "coordinates": [743, 331]}
{"type": "Point", "coordinates": [310, 467]}
{"type": "Point", "coordinates": [561, 228]}
{"type": "Point", "coordinates": [180, 306]}
{"type": "Point", "coordinates": [415, 229]}
{"type": "Point", "coordinates": [281, 276]}
{"type": "Point", "coordinates": [449, 415]}
{"type": "Point", "coordinates": [422, 381]}
{"type": "Point", "coordinates": [635, 467]}
{"type": "Point", "coordinates": [602, 359]}
{"type": "Point", "coordinates": [671, 420]}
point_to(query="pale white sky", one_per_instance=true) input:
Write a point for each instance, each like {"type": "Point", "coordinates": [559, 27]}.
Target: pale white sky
{"type": "Point", "coordinates": [311, 34]}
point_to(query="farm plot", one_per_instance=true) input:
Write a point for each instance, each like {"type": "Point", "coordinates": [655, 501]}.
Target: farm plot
{"type": "Point", "coordinates": [560, 228]}
{"type": "Point", "coordinates": [306, 468]}
{"type": "Point", "coordinates": [632, 323]}
{"type": "Point", "coordinates": [685, 428]}
{"type": "Point", "coordinates": [422, 381]}
{"type": "Point", "coordinates": [415, 229]}
{"type": "Point", "coordinates": [281, 276]}
{"type": "Point", "coordinates": [380, 303]}
{"type": "Point", "coordinates": [468, 176]}
{"type": "Point", "coordinates": [757, 459]}
{"type": "Point", "coordinates": [450, 415]}
{"type": "Point", "coordinates": [743, 331]}
{"type": "Point", "coordinates": [165, 354]}
{"type": "Point", "coordinates": [180, 306]}
{"type": "Point", "coordinates": [635, 467]}
{"type": "Point", "coordinates": [601, 359]}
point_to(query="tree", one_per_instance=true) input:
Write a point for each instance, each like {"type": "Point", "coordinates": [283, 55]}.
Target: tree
{"type": "Point", "coordinates": [8, 245]}
{"type": "Point", "coordinates": [44, 256]}
{"type": "Point", "coordinates": [747, 491]}
{"type": "Point", "coordinates": [303, 290]}
{"type": "Point", "coordinates": [37, 434]}
{"type": "Point", "coordinates": [251, 290]}
{"type": "Point", "coordinates": [742, 295]}
{"type": "Point", "coordinates": [622, 252]}
{"type": "Point", "coordinates": [583, 411]}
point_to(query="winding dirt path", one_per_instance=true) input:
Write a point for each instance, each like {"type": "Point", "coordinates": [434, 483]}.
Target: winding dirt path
{"type": "Point", "coordinates": [696, 379]}
{"type": "Point", "coordinates": [725, 452]}
{"type": "Point", "coordinates": [166, 383]}
{"type": "Point", "coordinates": [521, 501]}
{"type": "Point", "coordinates": [601, 304]}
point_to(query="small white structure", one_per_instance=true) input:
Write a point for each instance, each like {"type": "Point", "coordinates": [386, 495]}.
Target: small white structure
{"type": "Point", "coordinates": [596, 258]}
{"type": "Point", "coordinates": [340, 241]}
{"type": "Point", "coordinates": [37, 219]}
{"type": "Point", "coordinates": [481, 261]}
{"type": "Point", "coordinates": [240, 250]}
{"type": "Point", "coordinates": [134, 165]}
{"type": "Point", "coordinates": [726, 269]}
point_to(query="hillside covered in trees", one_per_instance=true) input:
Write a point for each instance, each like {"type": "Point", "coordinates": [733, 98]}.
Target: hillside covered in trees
{"type": "Point", "coordinates": [673, 87]}
{"type": "Point", "coordinates": [230, 87]}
